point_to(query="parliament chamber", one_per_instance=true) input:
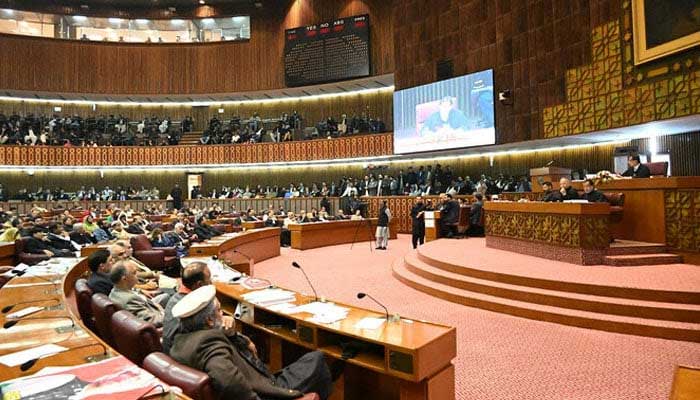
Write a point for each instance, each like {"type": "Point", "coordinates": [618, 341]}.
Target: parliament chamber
{"type": "Point", "coordinates": [350, 199]}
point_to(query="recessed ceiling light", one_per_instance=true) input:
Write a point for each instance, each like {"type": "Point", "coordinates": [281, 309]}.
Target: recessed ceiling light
{"type": "Point", "coordinates": [201, 2]}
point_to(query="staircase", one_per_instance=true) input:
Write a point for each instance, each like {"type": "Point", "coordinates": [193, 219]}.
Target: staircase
{"type": "Point", "coordinates": [190, 138]}
{"type": "Point", "coordinates": [628, 253]}
{"type": "Point", "coordinates": [655, 313]}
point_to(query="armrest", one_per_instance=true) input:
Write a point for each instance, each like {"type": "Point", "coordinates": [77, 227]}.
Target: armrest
{"type": "Point", "coordinates": [167, 251]}
{"type": "Point", "coordinates": [153, 259]}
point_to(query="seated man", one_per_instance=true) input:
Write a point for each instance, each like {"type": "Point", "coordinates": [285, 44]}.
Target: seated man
{"type": "Point", "coordinates": [39, 243]}
{"type": "Point", "coordinates": [477, 208]}
{"type": "Point", "coordinates": [80, 236]}
{"type": "Point", "coordinates": [566, 192]}
{"type": "Point", "coordinates": [636, 169]}
{"type": "Point", "coordinates": [151, 281]}
{"type": "Point", "coordinates": [123, 277]}
{"type": "Point", "coordinates": [194, 276]}
{"type": "Point", "coordinates": [100, 263]}
{"type": "Point", "coordinates": [230, 359]}
{"type": "Point", "coordinates": [548, 194]}
{"type": "Point", "coordinates": [591, 194]}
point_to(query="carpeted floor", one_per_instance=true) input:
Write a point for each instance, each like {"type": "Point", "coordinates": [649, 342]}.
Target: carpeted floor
{"type": "Point", "coordinates": [498, 356]}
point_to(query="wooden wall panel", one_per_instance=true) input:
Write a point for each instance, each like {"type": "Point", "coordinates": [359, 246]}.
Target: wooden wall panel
{"type": "Point", "coordinates": [50, 65]}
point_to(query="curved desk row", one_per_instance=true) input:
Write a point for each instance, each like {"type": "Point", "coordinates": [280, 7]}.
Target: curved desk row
{"type": "Point", "coordinates": [319, 234]}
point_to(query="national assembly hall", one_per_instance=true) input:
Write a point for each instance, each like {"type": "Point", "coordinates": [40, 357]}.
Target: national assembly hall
{"type": "Point", "coordinates": [350, 199]}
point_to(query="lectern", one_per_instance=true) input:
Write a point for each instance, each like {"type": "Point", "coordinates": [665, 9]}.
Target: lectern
{"type": "Point", "coordinates": [432, 225]}
{"type": "Point", "coordinates": [544, 174]}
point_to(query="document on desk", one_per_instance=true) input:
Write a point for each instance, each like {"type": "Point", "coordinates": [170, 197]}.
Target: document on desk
{"type": "Point", "coordinates": [322, 313]}
{"type": "Point", "coordinates": [25, 311]}
{"type": "Point", "coordinates": [370, 323]}
{"type": "Point", "coordinates": [268, 297]}
{"type": "Point", "coordinates": [430, 223]}
{"type": "Point", "coordinates": [21, 357]}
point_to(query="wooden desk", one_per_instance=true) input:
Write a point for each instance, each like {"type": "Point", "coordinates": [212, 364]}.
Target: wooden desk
{"type": "Point", "coordinates": [401, 360]}
{"type": "Point", "coordinates": [573, 232]}
{"type": "Point", "coordinates": [432, 225]}
{"type": "Point", "coordinates": [319, 234]}
{"type": "Point", "coordinates": [660, 210]}
{"type": "Point", "coordinates": [241, 250]}
{"type": "Point", "coordinates": [246, 225]}
{"type": "Point", "coordinates": [7, 253]}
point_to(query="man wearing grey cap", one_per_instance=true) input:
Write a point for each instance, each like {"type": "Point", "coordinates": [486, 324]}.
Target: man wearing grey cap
{"type": "Point", "coordinates": [230, 359]}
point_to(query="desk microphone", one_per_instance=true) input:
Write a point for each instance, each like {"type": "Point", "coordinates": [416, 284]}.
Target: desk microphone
{"type": "Point", "coordinates": [362, 296]}
{"type": "Point", "coordinates": [7, 309]}
{"type": "Point", "coordinates": [10, 324]}
{"type": "Point", "coordinates": [296, 265]}
{"type": "Point", "coordinates": [30, 363]}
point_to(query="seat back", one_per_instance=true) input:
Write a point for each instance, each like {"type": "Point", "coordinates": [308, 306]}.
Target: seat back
{"type": "Point", "coordinates": [615, 199]}
{"type": "Point", "coordinates": [659, 168]}
{"type": "Point", "coordinates": [140, 242]}
{"type": "Point", "coordinates": [686, 383]}
{"type": "Point", "coordinates": [102, 310]}
{"type": "Point", "coordinates": [23, 256]}
{"type": "Point", "coordinates": [195, 384]}
{"type": "Point", "coordinates": [83, 296]}
{"type": "Point", "coordinates": [134, 337]}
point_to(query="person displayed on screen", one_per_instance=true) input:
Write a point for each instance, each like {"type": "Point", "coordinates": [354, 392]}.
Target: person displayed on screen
{"type": "Point", "coordinates": [447, 117]}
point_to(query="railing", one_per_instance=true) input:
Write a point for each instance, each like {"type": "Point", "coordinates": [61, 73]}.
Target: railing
{"type": "Point", "coordinates": [319, 149]}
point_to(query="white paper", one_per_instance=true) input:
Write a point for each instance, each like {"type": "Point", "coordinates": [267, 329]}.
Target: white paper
{"type": "Point", "coordinates": [430, 223]}
{"type": "Point", "coordinates": [318, 307]}
{"type": "Point", "coordinates": [325, 319]}
{"type": "Point", "coordinates": [284, 308]}
{"type": "Point", "coordinates": [370, 323]}
{"type": "Point", "coordinates": [21, 357]}
{"type": "Point", "coordinates": [25, 311]}
{"type": "Point", "coordinates": [429, 215]}
{"type": "Point", "coordinates": [268, 297]}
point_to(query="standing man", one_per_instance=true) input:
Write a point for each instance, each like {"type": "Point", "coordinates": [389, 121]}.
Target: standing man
{"type": "Point", "coordinates": [176, 194]}
{"type": "Point", "coordinates": [382, 233]}
{"type": "Point", "coordinates": [418, 226]}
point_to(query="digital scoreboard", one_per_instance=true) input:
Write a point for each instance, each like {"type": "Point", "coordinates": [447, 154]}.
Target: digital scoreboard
{"type": "Point", "coordinates": [327, 52]}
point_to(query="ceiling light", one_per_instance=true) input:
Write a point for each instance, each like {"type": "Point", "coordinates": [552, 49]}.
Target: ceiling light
{"type": "Point", "coordinates": [201, 2]}
{"type": "Point", "coordinates": [79, 18]}
{"type": "Point", "coordinates": [141, 21]}
{"type": "Point", "coordinates": [115, 20]}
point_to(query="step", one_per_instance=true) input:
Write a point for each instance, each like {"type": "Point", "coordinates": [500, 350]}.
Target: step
{"type": "Point", "coordinates": [575, 301]}
{"type": "Point", "coordinates": [642, 259]}
{"type": "Point", "coordinates": [668, 296]}
{"type": "Point", "coordinates": [628, 247]}
{"type": "Point", "coordinates": [583, 319]}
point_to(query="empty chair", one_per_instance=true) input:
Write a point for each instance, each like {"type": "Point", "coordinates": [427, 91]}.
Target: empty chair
{"type": "Point", "coordinates": [157, 258]}
{"type": "Point", "coordinates": [134, 338]}
{"type": "Point", "coordinates": [83, 298]}
{"type": "Point", "coordinates": [102, 310]}
{"type": "Point", "coordinates": [658, 169]}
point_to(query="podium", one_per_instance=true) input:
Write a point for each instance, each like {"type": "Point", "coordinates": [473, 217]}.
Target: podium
{"type": "Point", "coordinates": [432, 225]}
{"type": "Point", "coordinates": [544, 174]}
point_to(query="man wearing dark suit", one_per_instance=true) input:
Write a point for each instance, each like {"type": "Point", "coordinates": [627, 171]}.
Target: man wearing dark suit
{"type": "Point", "coordinates": [325, 203]}
{"type": "Point", "coordinates": [230, 359]}
{"type": "Point", "coordinates": [477, 208]}
{"type": "Point", "coordinates": [591, 194]}
{"type": "Point", "coordinates": [449, 215]}
{"type": "Point", "coordinates": [38, 243]}
{"type": "Point", "coordinates": [100, 264]}
{"type": "Point", "coordinates": [636, 169]}
{"type": "Point", "coordinates": [418, 222]}
{"type": "Point", "coordinates": [548, 195]}
{"type": "Point", "coordinates": [566, 192]}
{"type": "Point", "coordinates": [176, 194]}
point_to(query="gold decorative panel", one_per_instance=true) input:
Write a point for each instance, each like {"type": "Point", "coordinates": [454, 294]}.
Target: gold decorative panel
{"type": "Point", "coordinates": [683, 219]}
{"type": "Point", "coordinates": [611, 92]}
{"type": "Point", "coordinates": [587, 232]}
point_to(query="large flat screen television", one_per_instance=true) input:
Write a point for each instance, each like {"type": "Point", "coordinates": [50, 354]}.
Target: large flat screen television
{"type": "Point", "coordinates": [449, 114]}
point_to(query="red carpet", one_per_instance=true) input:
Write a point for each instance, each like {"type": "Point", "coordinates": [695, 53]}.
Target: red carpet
{"type": "Point", "coordinates": [498, 356]}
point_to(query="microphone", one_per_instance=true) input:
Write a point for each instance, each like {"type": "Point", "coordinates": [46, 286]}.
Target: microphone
{"type": "Point", "coordinates": [11, 323]}
{"type": "Point", "coordinates": [30, 363]}
{"type": "Point", "coordinates": [7, 309]}
{"type": "Point", "coordinates": [362, 296]}
{"type": "Point", "coordinates": [296, 265]}
{"type": "Point", "coordinates": [549, 163]}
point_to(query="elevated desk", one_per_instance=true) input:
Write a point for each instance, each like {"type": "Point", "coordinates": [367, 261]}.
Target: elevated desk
{"type": "Point", "coordinates": [660, 210]}
{"type": "Point", "coordinates": [7, 253]}
{"type": "Point", "coordinates": [578, 233]}
{"type": "Point", "coordinates": [400, 360]}
{"type": "Point", "coordinates": [311, 235]}
{"type": "Point", "coordinates": [241, 250]}
{"type": "Point", "coordinates": [59, 298]}
{"type": "Point", "coordinates": [432, 225]}
{"type": "Point", "coordinates": [246, 225]}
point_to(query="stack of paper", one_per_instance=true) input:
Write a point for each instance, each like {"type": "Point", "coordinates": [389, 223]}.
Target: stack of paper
{"type": "Point", "coordinates": [324, 313]}
{"type": "Point", "coordinates": [268, 297]}
{"type": "Point", "coordinates": [219, 271]}
{"type": "Point", "coordinates": [370, 323]}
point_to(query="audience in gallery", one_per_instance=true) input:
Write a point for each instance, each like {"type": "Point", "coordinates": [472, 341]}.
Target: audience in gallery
{"type": "Point", "coordinates": [257, 130]}
{"type": "Point", "coordinates": [74, 130]}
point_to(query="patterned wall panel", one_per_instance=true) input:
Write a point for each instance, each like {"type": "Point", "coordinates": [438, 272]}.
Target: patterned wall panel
{"type": "Point", "coordinates": [683, 219]}
{"type": "Point", "coordinates": [588, 232]}
{"type": "Point", "coordinates": [612, 92]}
{"type": "Point", "coordinates": [321, 149]}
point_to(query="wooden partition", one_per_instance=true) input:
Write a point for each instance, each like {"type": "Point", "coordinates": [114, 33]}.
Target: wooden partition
{"type": "Point", "coordinates": [319, 149]}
